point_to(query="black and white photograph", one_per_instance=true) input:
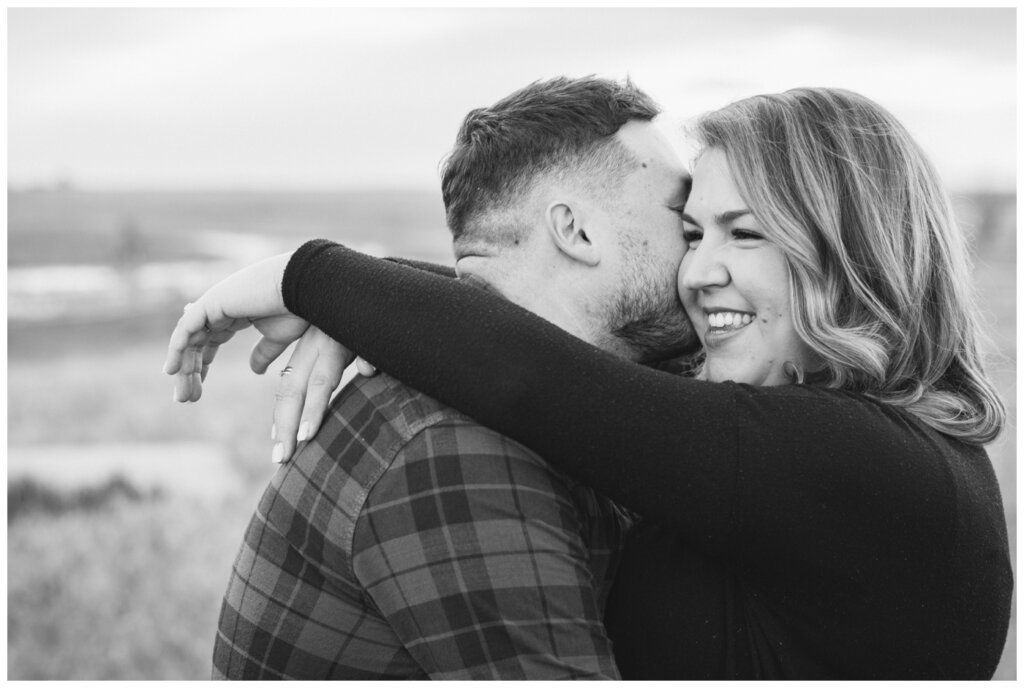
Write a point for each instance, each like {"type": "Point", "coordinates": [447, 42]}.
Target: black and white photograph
{"type": "Point", "coordinates": [522, 343]}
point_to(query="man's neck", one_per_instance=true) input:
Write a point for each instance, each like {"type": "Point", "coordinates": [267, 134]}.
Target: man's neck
{"type": "Point", "coordinates": [524, 286]}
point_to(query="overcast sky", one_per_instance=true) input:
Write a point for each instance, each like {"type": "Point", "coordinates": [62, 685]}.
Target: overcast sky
{"type": "Point", "coordinates": [325, 99]}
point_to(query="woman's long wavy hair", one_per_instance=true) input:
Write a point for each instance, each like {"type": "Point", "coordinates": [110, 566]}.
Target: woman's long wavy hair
{"type": "Point", "coordinates": [878, 268]}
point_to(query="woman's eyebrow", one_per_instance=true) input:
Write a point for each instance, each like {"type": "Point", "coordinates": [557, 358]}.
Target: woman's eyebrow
{"type": "Point", "coordinates": [721, 218]}
{"type": "Point", "coordinates": [730, 215]}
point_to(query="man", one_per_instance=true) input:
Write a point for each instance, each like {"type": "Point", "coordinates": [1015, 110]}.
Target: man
{"type": "Point", "coordinates": [408, 541]}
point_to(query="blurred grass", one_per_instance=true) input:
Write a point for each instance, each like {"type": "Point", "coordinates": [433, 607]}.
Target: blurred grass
{"type": "Point", "coordinates": [127, 592]}
{"type": "Point", "coordinates": [132, 590]}
{"type": "Point", "coordinates": [27, 496]}
{"type": "Point", "coordinates": [105, 388]}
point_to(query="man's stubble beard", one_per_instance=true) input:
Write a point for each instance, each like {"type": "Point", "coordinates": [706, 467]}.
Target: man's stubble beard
{"type": "Point", "coordinates": [647, 315]}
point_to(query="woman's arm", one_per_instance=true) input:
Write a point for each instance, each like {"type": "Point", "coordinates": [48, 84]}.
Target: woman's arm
{"type": "Point", "coordinates": [440, 270]}
{"type": "Point", "coordinates": [727, 466]}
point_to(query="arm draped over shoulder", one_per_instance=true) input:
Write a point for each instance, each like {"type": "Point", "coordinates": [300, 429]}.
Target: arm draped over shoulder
{"type": "Point", "coordinates": [713, 461]}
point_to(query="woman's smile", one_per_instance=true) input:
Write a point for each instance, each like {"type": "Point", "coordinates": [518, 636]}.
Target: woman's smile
{"type": "Point", "coordinates": [724, 324]}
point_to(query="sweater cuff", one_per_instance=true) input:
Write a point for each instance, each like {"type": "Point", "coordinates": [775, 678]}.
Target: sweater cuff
{"type": "Point", "coordinates": [297, 269]}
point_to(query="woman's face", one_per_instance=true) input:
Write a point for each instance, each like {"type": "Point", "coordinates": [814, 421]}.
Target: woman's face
{"type": "Point", "coordinates": [734, 284]}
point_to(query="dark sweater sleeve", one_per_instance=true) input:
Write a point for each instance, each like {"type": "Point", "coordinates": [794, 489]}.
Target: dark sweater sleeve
{"type": "Point", "coordinates": [730, 467]}
{"type": "Point", "coordinates": [441, 270]}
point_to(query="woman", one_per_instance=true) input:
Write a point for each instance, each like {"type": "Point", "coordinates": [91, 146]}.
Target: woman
{"type": "Point", "coordinates": [817, 503]}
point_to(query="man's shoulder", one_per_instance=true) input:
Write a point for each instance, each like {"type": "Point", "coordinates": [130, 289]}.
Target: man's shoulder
{"type": "Point", "coordinates": [423, 429]}
{"type": "Point", "coordinates": [329, 480]}
{"type": "Point", "coordinates": [384, 441]}
{"type": "Point", "coordinates": [384, 406]}
{"type": "Point", "coordinates": [384, 399]}
{"type": "Point", "coordinates": [378, 425]}
{"type": "Point", "coordinates": [427, 431]}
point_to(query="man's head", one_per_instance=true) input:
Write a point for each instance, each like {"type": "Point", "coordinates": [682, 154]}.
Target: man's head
{"type": "Point", "coordinates": [570, 176]}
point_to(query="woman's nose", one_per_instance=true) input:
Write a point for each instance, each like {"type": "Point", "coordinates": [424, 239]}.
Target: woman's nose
{"type": "Point", "coordinates": [702, 268]}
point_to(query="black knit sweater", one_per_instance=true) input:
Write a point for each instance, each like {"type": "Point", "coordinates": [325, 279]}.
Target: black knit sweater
{"type": "Point", "coordinates": [787, 532]}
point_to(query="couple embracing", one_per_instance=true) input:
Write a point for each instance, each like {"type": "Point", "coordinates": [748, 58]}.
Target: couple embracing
{"type": "Point", "coordinates": [531, 488]}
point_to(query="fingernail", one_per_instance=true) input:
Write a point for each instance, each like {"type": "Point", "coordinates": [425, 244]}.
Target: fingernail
{"type": "Point", "coordinates": [303, 432]}
{"type": "Point", "coordinates": [273, 431]}
{"type": "Point", "coordinates": [167, 364]}
{"type": "Point", "coordinates": [278, 455]}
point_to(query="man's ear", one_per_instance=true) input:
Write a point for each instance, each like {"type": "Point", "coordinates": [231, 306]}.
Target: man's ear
{"type": "Point", "coordinates": [566, 229]}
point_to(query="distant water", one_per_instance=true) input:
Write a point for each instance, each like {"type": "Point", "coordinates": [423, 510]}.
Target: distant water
{"type": "Point", "coordinates": [37, 294]}
{"type": "Point", "coordinates": [78, 256]}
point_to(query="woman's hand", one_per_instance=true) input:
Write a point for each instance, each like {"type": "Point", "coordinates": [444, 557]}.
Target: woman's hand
{"type": "Point", "coordinates": [251, 296]}
{"type": "Point", "coordinates": [307, 382]}
{"type": "Point", "coordinates": [312, 375]}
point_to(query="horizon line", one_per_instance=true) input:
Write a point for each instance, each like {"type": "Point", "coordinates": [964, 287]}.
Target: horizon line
{"type": "Point", "coordinates": [65, 187]}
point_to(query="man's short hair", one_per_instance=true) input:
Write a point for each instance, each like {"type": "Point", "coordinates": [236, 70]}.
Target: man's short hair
{"type": "Point", "coordinates": [560, 126]}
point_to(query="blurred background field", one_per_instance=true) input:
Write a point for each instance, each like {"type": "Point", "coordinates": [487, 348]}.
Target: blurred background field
{"type": "Point", "coordinates": [125, 509]}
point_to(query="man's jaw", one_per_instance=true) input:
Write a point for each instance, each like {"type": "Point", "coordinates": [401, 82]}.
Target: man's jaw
{"type": "Point", "coordinates": [657, 334]}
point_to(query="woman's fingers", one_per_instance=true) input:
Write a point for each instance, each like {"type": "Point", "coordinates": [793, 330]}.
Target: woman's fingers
{"type": "Point", "coordinates": [312, 374]}
{"type": "Point", "coordinates": [278, 332]}
{"type": "Point", "coordinates": [265, 352]}
{"type": "Point", "coordinates": [191, 363]}
{"type": "Point", "coordinates": [250, 295]}
{"type": "Point", "coordinates": [182, 387]}
{"type": "Point", "coordinates": [214, 341]}
{"type": "Point", "coordinates": [192, 330]}
{"type": "Point", "coordinates": [290, 397]}
{"type": "Point", "coordinates": [365, 368]}
{"type": "Point", "coordinates": [187, 386]}
{"type": "Point", "coordinates": [184, 362]}
{"type": "Point", "coordinates": [332, 359]}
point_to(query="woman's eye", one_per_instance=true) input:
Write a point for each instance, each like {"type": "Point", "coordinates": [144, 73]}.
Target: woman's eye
{"type": "Point", "coordinates": [745, 234]}
{"type": "Point", "coordinates": [692, 237]}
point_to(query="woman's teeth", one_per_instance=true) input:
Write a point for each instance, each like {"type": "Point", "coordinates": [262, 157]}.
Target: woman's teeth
{"type": "Point", "coordinates": [731, 320]}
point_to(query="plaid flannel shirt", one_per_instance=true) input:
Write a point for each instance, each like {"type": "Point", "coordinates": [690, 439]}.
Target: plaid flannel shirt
{"type": "Point", "coordinates": [407, 541]}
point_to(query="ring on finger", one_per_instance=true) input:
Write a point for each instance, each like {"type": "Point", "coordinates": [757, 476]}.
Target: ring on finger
{"type": "Point", "coordinates": [287, 371]}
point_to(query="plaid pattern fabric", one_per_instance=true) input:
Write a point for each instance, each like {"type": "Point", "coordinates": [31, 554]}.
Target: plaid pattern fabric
{"type": "Point", "coordinates": [407, 541]}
